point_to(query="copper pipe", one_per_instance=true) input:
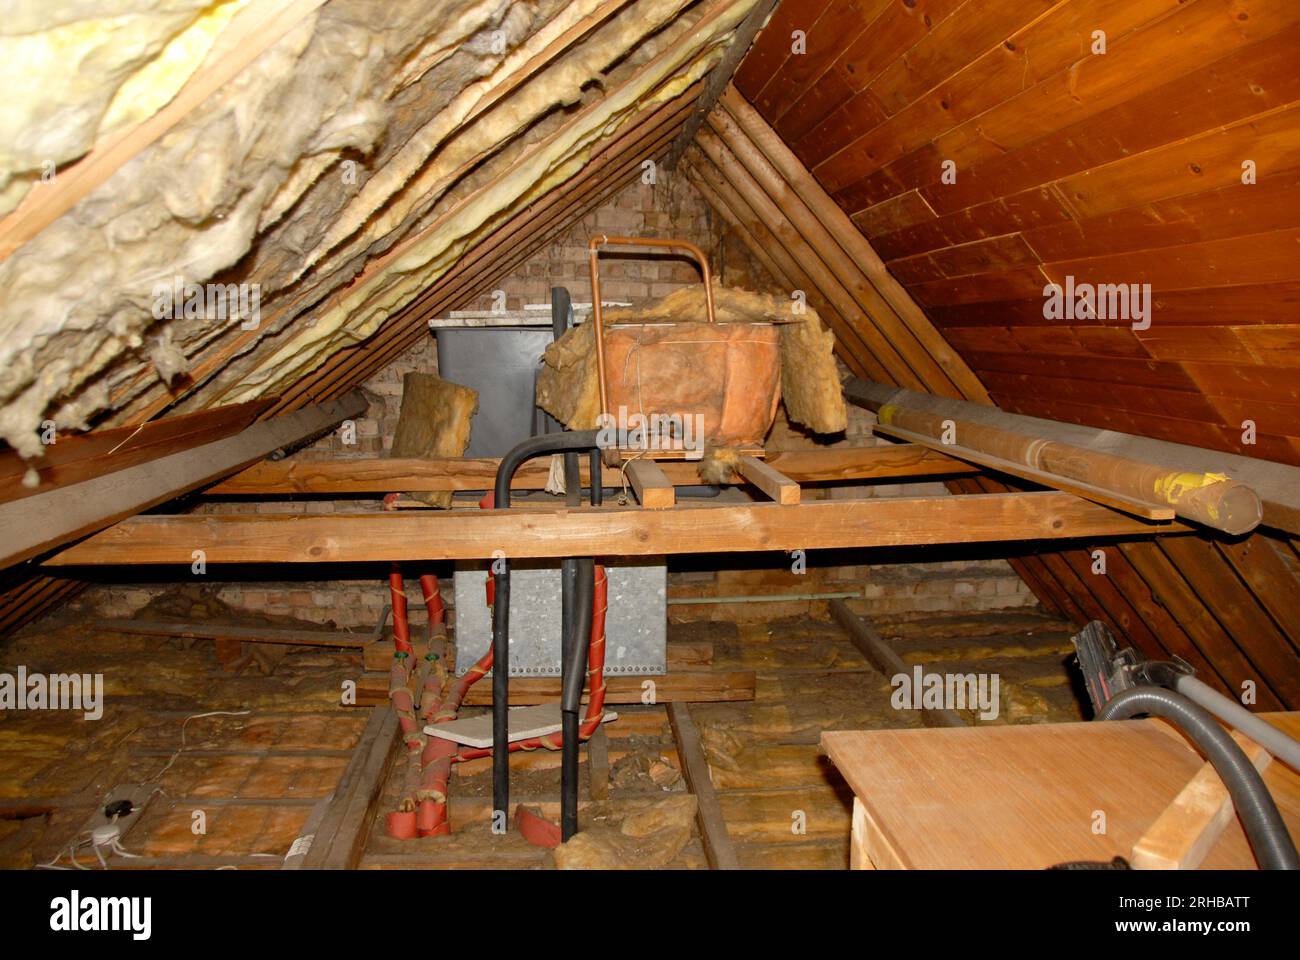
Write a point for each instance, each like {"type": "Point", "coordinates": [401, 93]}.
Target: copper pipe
{"type": "Point", "coordinates": [594, 256]}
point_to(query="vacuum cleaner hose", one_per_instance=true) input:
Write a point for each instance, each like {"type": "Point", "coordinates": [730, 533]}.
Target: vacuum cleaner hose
{"type": "Point", "coordinates": [1264, 827]}
{"type": "Point", "coordinates": [1235, 715]}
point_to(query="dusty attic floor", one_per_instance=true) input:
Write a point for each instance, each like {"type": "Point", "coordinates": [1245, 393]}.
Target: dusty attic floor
{"type": "Point", "coordinates": [258, 777]}
{"type": "Point", "coordinates": [785, 806]}
{"type": "Point", "coordinates": [238, 795]}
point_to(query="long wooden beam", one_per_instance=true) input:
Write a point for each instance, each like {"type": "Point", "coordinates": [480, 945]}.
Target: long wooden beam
{"type": "Point", "coordinates": [39, 523]}
{"type": "Point", "coordinates": [1077, 455]}
{"type": "Point", "coordinates": [410, 475]}
{"type": "Point", "coordinates": [524, 532]}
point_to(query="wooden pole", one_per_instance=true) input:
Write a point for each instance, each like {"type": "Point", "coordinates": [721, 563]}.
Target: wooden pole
{"type": "Point", "coordinates": [1207, 497]}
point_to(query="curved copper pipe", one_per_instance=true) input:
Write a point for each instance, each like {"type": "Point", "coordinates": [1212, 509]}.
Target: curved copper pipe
{"type": "Point", "coordinates": [593, 248]}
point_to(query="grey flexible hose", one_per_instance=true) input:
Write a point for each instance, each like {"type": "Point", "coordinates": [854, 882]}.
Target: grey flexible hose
{"type": "Point", "coordinates": [1263, 824]}
{"type": "Point", "coordinates": [1235, 715]}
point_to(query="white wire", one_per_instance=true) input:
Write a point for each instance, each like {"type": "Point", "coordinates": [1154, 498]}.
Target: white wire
{"type": "Point", "coordinates": [181, 749]}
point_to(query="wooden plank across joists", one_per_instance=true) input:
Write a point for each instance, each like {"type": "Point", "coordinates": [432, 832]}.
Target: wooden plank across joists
{"type": "Point", "coordinates": [379, 476]}
{"type": "Point", "coordinates": [524, 532]}
{"type": "Point", "coordinates": [44, 521]}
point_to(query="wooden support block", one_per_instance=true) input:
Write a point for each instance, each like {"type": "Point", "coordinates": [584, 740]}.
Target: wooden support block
{"type": "Point", "coordinates": [654, 490]}
{"type": "Point", "coordinates": [859, 859]}
{"type": "Point", "coordinates": [695, 767]}
{"type": "Point", "coordinates": [772, 482]}
{"type": "Point", "coordinates": [1187, 830]}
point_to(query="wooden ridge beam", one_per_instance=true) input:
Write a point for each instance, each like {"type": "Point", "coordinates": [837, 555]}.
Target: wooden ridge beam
{"type": "Point", "coordinates": [47, 520]}
{"type": "Point", "coordinates": [604, 531]}
{"type": "Point", "coordinates": [389, 475]}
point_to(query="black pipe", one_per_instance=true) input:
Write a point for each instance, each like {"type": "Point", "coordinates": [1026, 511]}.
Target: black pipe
{"type": "Point", "coordinates": [569, 599]}
{"type": "Point", "coordinates": [1264, 826]}
{"type": "Point", "coordinates": [510, 463]}
{"type": "Point", "coordinates": [597, 491]}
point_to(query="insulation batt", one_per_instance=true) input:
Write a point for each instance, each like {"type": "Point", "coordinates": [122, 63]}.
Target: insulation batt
{"type": "Point", "coordinates": [567, 387]}
{"type": "Point", "coordinates": [268, 180]}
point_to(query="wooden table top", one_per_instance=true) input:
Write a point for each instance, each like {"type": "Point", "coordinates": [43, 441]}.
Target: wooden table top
{"type": "Point", "coordinates": [1025, 796]}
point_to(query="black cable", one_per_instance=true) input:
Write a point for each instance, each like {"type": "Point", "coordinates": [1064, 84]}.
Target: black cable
{"type": "Point", "coordinates": [1273, 846]}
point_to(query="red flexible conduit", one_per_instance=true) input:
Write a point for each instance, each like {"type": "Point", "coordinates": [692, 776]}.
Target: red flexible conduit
{"type": "Point", "coordinates": [423, 809]}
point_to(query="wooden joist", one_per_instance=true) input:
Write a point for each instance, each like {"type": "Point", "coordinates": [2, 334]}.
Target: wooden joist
{"type": "Point", "coordinates": [777, 486]}
{"type": "Point", "coordinates": [718, 847]}
{"type": "Point", "coordinates": [380, 476]}
{"type": "Point", "coordinates": [607, 531]}
{"type": "Point", "coordinates": [47, 520]}
{"type": "Point", "coordinates": [216, 631]}
{"type": "Point", "coordinates": [340, 837]}
{"type": "Point", "coordinates": [885, 659]}
{"type": "Point", "coordinates": [653, 489]}
{"type": "Point", "coordinates": [694, 686]}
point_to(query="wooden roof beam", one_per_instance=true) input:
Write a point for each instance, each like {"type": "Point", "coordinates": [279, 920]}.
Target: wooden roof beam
{"type": "Point", "coordinates": [39, 523]}
{"type": "Point", "coordinates": [602, 531]}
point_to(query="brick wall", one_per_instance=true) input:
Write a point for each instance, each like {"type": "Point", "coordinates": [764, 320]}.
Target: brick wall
{"type": "Point", "coordinates": [356, 596]}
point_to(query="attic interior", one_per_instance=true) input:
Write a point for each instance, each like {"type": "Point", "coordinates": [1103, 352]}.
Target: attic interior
{"type": "Point", "coordinates": [862, 434]}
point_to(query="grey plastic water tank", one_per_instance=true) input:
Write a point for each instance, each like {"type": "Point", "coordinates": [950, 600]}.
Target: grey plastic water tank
{"type": "Point", "coordinates": [501, 363]}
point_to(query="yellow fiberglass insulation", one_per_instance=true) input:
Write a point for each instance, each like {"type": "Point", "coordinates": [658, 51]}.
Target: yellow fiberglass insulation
{"type": "Point", "coordinates": [352, 160]}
